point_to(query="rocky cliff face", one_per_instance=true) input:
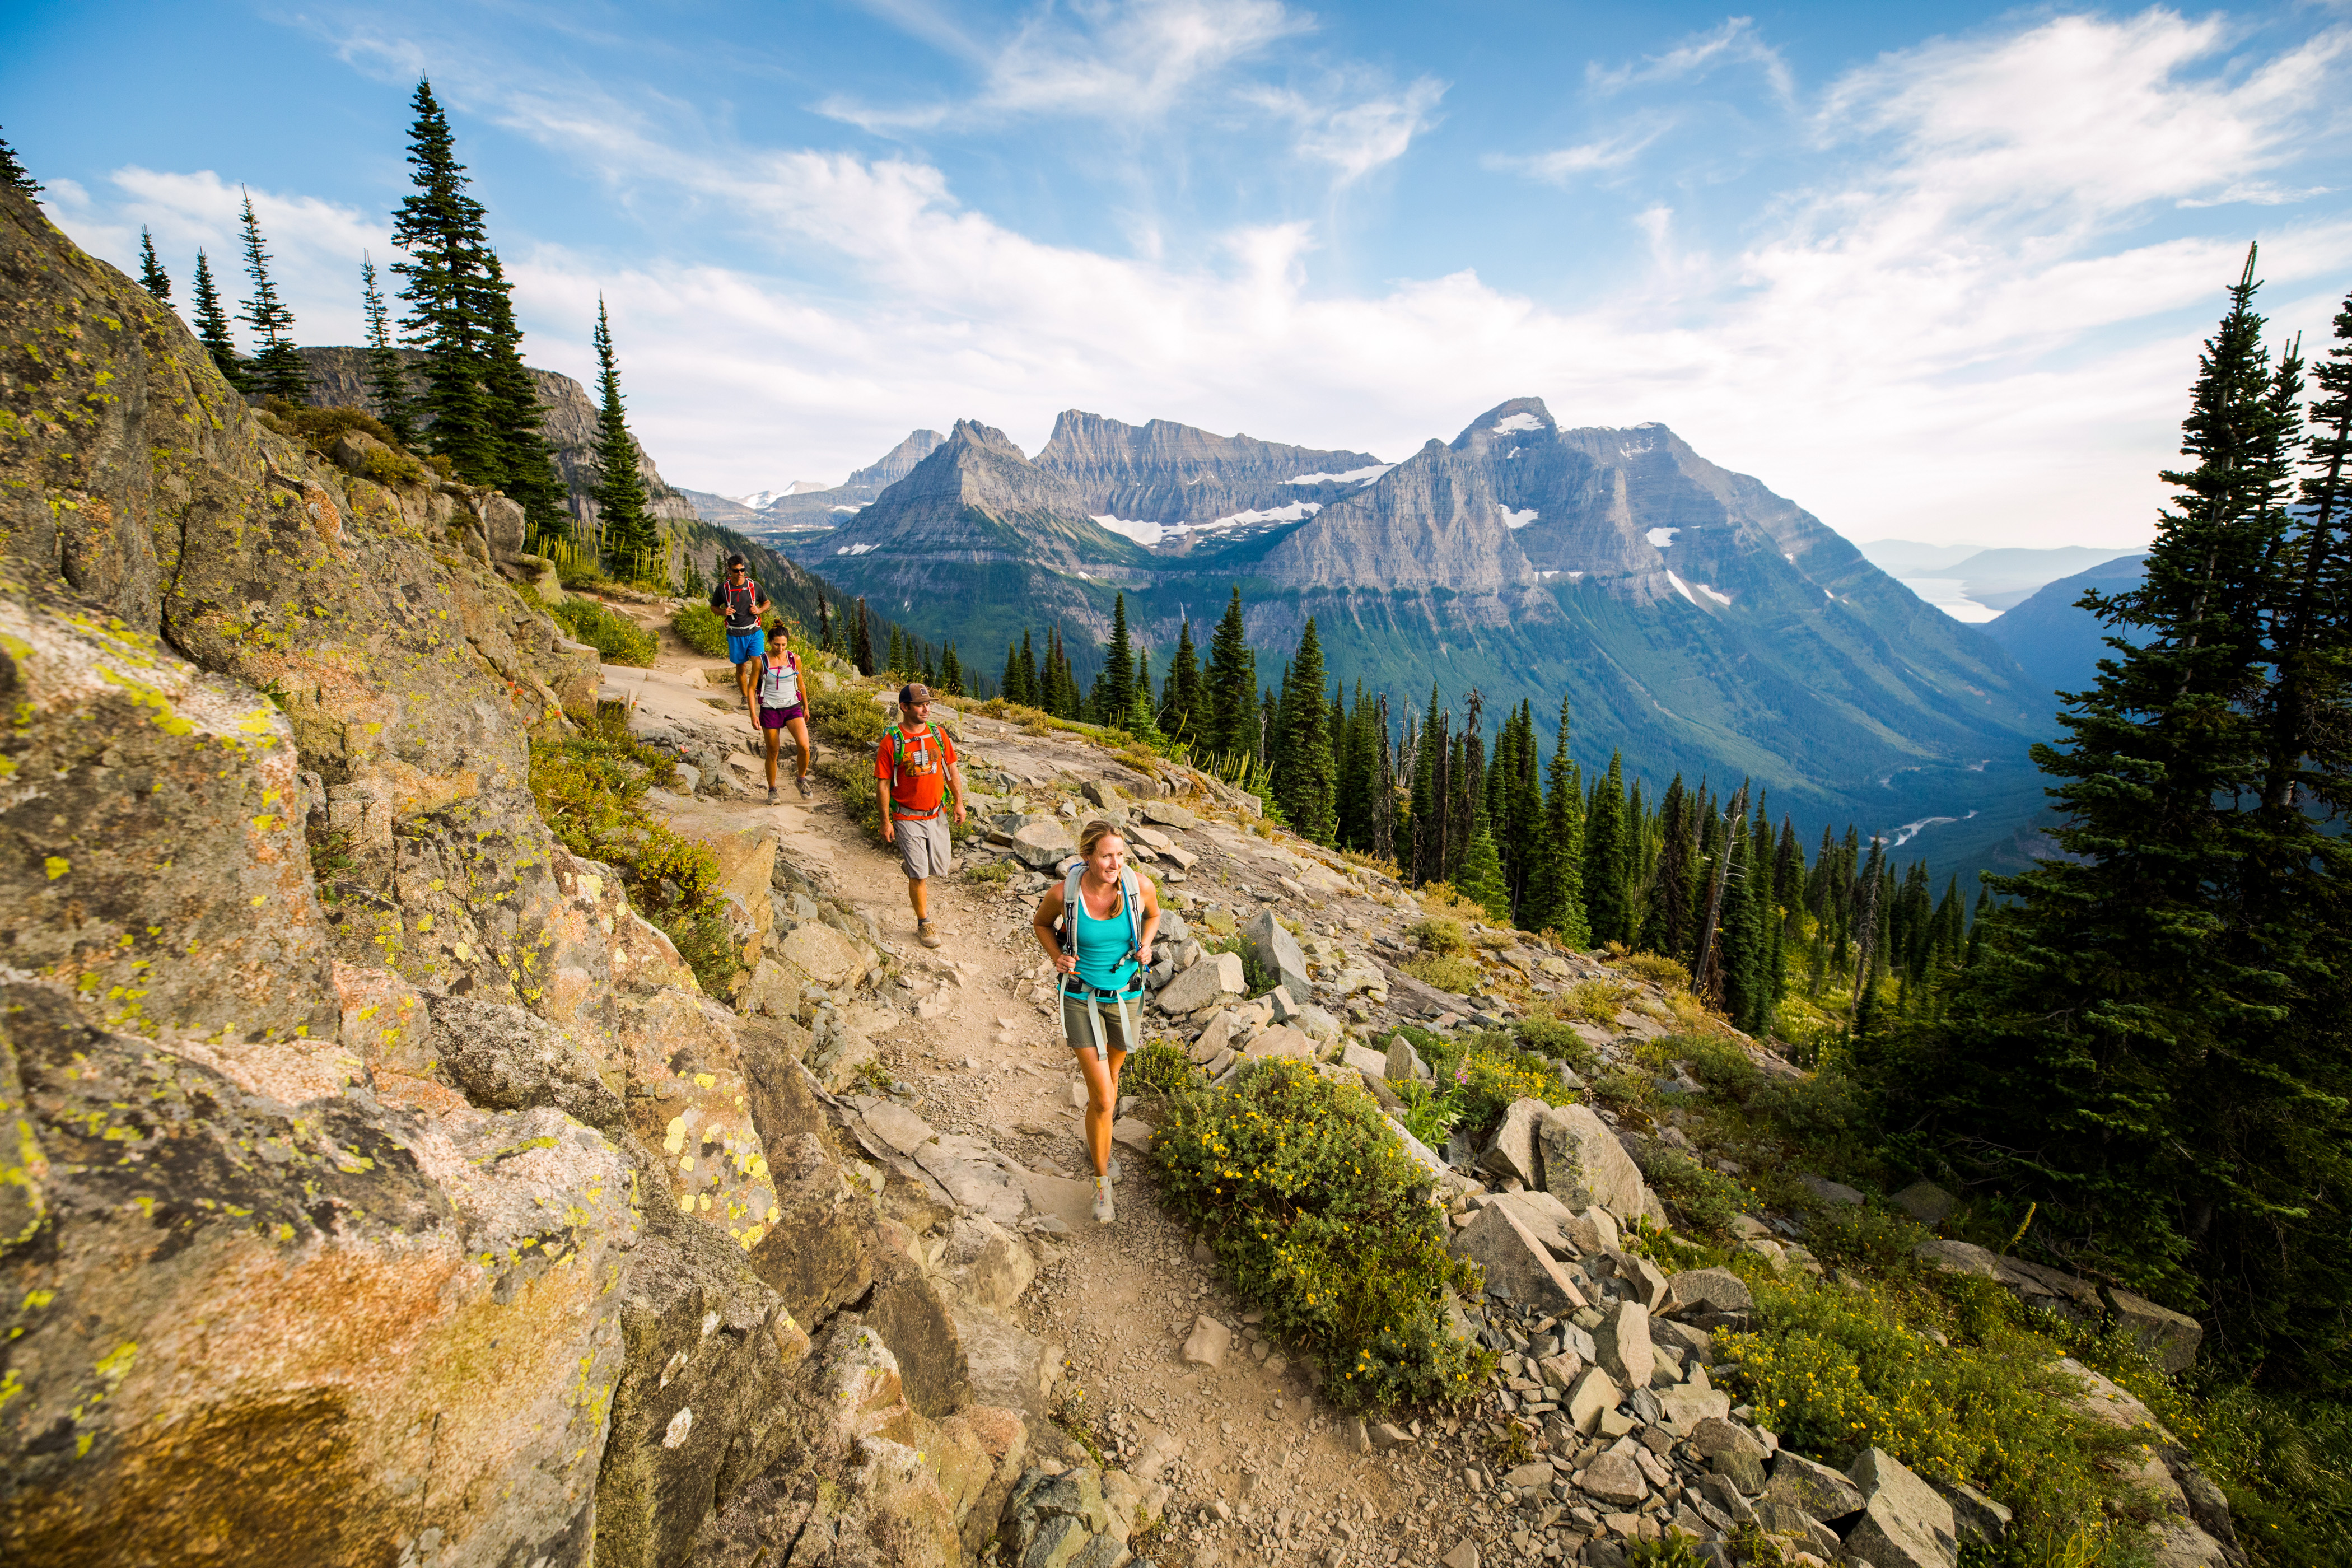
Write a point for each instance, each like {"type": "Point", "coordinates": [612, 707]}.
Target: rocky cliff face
{"type": "Point", "coordinates": [339, 380]}
{"type": "Point", "coordinates": [1169, 476]}
{"type": "Point", "coordinates": [377, 1185]}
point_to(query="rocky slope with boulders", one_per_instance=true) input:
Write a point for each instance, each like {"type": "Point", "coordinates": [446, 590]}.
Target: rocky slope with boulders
{"type": "Point", "coordinates": [411, 1202]}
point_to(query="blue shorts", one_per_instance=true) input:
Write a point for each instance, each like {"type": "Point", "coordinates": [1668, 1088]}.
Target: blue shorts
{"type": "Point", "coordinates": [743, 647]}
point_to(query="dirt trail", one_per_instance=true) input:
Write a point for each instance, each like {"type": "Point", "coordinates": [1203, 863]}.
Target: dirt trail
{"type": "Point", "coordinates": [1250, 1437]}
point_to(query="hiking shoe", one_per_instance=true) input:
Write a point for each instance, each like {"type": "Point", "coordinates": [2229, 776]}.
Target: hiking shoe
{"type": "Point", "coordinates": [1102, 1200]}
{"type": "Point", "coordinates": [1114, 1173]}
{"type": "Point", "coordinates": [802, 781]}
{"type": "Point", "coordinates": [771, 795]}
{"type": "Point", "coordinates": [925, 934]}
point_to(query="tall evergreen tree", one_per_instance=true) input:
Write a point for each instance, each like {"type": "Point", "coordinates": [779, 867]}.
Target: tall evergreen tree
{"type": "Point", "coordinates": [1428, 795]}
{"type": "Point", "coordinates": [631, 544]}
{"type": "Point", "coordinates": [1605, 855]}
{"type": "Point", "coordinates": [1032, 682]}
{"type": "Point", "coordinates": [897, 659]}
{"type": "Point", "coordinates": [386, 385]}
{"type": "Point", "coordinates": [1556, 884]}
{"type": "Point", "coordinates": [1233, 719]}
{"type": "Point", "coordinates": [1117, 683]}
{"type": "Point", "coordinates": [152, 276]}
{"type": "Point", "coordinates": [13, 174]}
{"type": "Point", "coordinates": [213, 329]}
{"type": "Point", "coordinates": [1480, 879]}
{"type": "Point", "coordinates": [1305, 775]}
{"type": "Point", "coordinates": [512, 409]}
{"type": "Point", "coordinates": [1184, 710]}
{"type": "Point", "coordinates": [278, 368]}
{"type": "Point", "coordinates": [861, 641]}
{"type": "Point", "coordinates": [438, 227]}
{"type": "Point", "coordinates": [2150, 1043]}
{"type": "Point", "coordinates": [951, 672]}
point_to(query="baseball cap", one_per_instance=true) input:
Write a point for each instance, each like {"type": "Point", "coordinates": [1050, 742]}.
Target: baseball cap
{"type": "Point", "coordinates": [914, 694]}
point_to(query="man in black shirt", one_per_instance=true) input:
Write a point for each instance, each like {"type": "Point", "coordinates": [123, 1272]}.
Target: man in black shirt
{"type": "Point", "coordinates": [741, 602]}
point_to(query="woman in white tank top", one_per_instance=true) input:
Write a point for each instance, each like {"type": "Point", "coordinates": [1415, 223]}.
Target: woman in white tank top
{"type": "Point", "coordinates": [778, 692]}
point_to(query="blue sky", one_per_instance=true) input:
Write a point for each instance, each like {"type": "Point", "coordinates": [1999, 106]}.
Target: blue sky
{"type": "Point", "coordinates": [1936, 273]}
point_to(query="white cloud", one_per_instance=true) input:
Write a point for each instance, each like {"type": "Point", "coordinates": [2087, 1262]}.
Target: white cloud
{"type": "Point", "coordinates": [1131, 62]}
{"type": "Point", "coordinates": [314, 245]}
{"type": "Point", "coordinates": [1733, 43]}
{"type": "Point", "coordinates": [1564, 163]}
{"type": "Point", "coordinates": [1356, 138]}
{"type": "Point", "coordinates": [1963, 331]}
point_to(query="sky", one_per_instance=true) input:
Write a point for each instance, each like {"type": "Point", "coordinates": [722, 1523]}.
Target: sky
{"type": "Point", "coordinates": [1936, 273]}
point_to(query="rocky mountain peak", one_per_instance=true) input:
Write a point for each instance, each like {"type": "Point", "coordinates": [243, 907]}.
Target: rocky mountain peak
{"type": "Point", "coordinates": [1177, 478]}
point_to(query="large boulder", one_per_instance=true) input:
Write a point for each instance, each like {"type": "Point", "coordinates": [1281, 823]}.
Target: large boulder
{"type": "Point", "coordinates": [1624, 1341]}
{"type": "Point", "coordinates": [1042, 842]}
{"type": "Point", "coordinates": [1904, 1523]}
{"type": "Point", "coordinates": [1061, 1522]}
{"type": "Point", "coordinates": [1511, 1153]}
{"type": "Point", "coordinates": [1278, 952]}
{"type": "Point", "coordinates": [1216, 979]}
{"type": "Point", "coordinates": [1518, 1264]}
{"type": "Point", "coordinates": [825, 956]}
{"type": "Point", "coordinates": [1584, 1163]}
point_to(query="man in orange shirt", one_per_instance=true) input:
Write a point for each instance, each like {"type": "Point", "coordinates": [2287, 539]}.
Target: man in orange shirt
{"type": "Point", "coordinates": [914, 768]}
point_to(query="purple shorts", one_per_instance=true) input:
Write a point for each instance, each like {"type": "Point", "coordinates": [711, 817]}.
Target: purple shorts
{"type": "Point", "coordinates": [777, 718]}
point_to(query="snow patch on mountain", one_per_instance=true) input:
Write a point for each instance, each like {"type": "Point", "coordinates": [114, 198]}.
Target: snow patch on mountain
{"type": "Point", "coordinates": [1518, 519]}
{"type": "Point", "coordinates": [1144, 533]}
{"type": "Point", "coordinates": [1682, 587]}
{"type": "Point", "coordinates": [1662, 537]}
{"type": "Point", "coordinates": [1295, 511]}
{"type": "Point", "coordinates": [1353, 476]}
{"type": "Point", "coordinates": [855, 549]}
{"type": "Point", "coordinates": [1518, 422]}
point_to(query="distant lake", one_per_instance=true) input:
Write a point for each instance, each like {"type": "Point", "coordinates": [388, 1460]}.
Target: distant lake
{"type": "Point", "coordinates": [1950, 595]}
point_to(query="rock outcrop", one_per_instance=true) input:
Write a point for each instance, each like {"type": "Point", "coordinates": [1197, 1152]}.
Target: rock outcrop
{"type": "Point", "coordinates": [380, 1186]}
{"type": "Point", "coordinates": [1172, 476]}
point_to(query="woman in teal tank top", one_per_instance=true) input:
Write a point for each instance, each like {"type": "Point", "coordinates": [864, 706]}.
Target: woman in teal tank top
{"type": "Point", "coordinates": [1102, 977]}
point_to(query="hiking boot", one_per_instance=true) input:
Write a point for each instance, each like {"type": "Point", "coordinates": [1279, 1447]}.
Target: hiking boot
{"type": "Point", "coordinates": [926, 934]}
{"type": "Point", "coordinates": [771, 795]}
{"type": "Point", "coordinates": [1114, 1173]}
{"type": "Point", "coordinates": [802, 781]}
{"type": "Point", "coordinates": [1103, 1210]}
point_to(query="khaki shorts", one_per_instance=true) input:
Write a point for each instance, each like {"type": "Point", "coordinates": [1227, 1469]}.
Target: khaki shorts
{"type": "Point", "coordinates": [1079, 1027]}
{"type": "Point", "coordinates": [923, 846]}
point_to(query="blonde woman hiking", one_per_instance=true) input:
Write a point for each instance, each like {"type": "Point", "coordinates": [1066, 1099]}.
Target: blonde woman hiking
{"type": "Point", "coordinates": [783, 705]}
{"type": "Point", "coordinates": [1099, 926]}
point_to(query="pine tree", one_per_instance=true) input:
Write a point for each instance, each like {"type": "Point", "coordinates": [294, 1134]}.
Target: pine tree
{"type": "Point", "coordinates": [386, 385]}
{"type": "Point", "coordinates": [2154, 1023]}
{"type": "Point", "coordinates": [152, 276]}
{"type": "Point", "coordinates": [13, 174]}
{"type": "Point", "coordinates": [1604, 856]}
{"type": "Point", "coordinates": [513, 411]}
{"type": "Point", "coordinates": [1306, 777]}
{"type": "Point", "coordinates": [1233, 718]}
{"type": "Point", "coordinates": [630, 543]}
{"type": "Point", "coordinates": [1030, 683]}
{"type": "Point", "coordinates": [1268, 717]}
{"type": "Point", "coordinates": [213, 329]}
{"type": "Point", "coordinates": [951, 672]}
{"type": "Point", "coordinates": [861, 647]}
{"type": "Point", "coordinates": [1480, 879]}
{"type": "Point", "coordinates": [278, 369]}
{"type": "Point", "coordinates": [1119, 667]}
{"type": "Point", "coordinates": [1427, 819]}
{"type": "Point", "coordinates": [1012, 688]}
{"type": "Point", "coordinates": [1555, 898]}
{"type": "Point", "coordinates": [897, 661]}
{"type": "Point", "coordinates": [438, 227]}
{"type": "Point", "coordinates": [1183, 712]}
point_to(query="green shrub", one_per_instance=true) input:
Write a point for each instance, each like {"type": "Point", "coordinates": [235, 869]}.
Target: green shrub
{"type": "Point", "coordinates": [1551, 1038]}
{"type": "Point", "coordinates": [590, 789]}
{"type": "Point", "coordinates": [1597, 1002]}
{"type": "Point", "coordinates": [1657, 968]}
{"type": "Point", "coordinates": [1441, 936]}
{"type": "Point", "coordinates": [1458, 975]}
{"type": "Point", "coordinates": [989, 873]}
{"type": "Point", "coordinates": [1162, 1067]}
{"type": "Point", "coordinates": [1256, 978]}
{"type": "Point", "coordinates": [1430, 1112]}
{"type": "Point", "coordinates": [699, 628]}
{"type": "Point", "coordinates": [1318, 1216]}
{"type": "Point", "coordinates": [2285, 1464]}
{"type": "Point", "coordinates": [1865, 1236]}
{"type": "Point", "coordinates": [1834, 1370]}
{"type": "Point", "coordinates": [847, 715]}
{"type": "Point", "coordinates": [1701, 1197]}
{"type": "Point", "coordinates": [1480, 1075]}
{"type": "Point", "coordinates": [617, 639]}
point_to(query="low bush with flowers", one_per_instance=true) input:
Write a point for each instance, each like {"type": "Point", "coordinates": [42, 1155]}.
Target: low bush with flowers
{"type": "Point", "coordinates": [1957, 1388]}
{"type": "Point", "coordinates": [1320, 1219]}
{"type": "Point", "coordinates": [1479, 1075]}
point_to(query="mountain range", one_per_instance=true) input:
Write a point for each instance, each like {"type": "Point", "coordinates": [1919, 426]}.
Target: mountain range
{"type": "Point", "coordinates": [1694, 618]}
